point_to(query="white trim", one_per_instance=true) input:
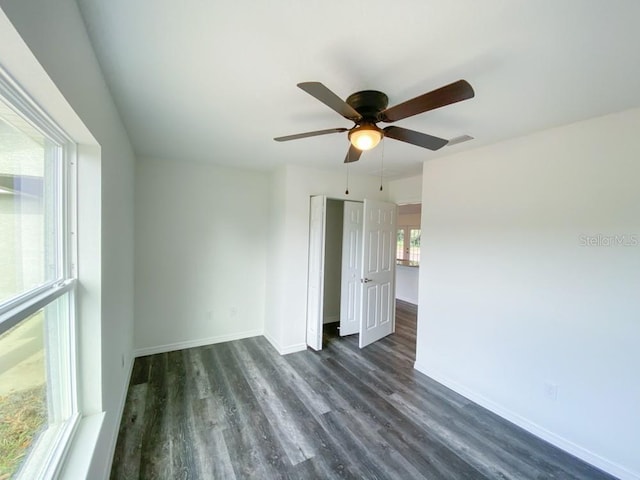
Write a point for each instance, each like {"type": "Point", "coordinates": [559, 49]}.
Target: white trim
{"type": "Point", "coordinates": [298, 347]}
{"type": "Point", "coordinates": [141, 352]}
{"type": "Point", "coordinates": [82, 447]}
{"type": "Point", "coordinates": [49, 451]}
{"type": "Point", "coordinates": [61, 447]}
{"type": "Point", "coordinates": [532, 427]}
{"type": "Point", "coordinates": [123, 399]}
{"type": "Point", "coordinates": [272, 341]}
{"type": "Point", "coordinates": [24, 105]}
{"type": "Point", "coordinates": [34, 303]}
{"type": "Point", "coordinates": [70, 210]}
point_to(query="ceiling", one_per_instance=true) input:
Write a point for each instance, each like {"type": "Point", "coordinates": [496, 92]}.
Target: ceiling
{"type": "Point", "coordinates": [216, 80]}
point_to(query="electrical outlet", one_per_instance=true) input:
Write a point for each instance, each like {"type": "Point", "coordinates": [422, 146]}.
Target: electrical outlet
{"type": "Point", "coordinates": [551, 391]}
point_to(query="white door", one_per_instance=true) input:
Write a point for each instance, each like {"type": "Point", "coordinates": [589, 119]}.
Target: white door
{"type": "Point", "coordinates": [378, 271]}
{"type": "Point", "coordinates": [315, 286]}
{"type": "Point", "coordinates": [350, 288]}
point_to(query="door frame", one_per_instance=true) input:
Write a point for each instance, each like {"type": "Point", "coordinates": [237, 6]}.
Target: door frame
{"type": "Point", "coordinates": [315, 273]}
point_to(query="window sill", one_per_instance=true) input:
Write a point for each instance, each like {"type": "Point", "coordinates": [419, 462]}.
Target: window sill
{"type": "Point", "coordinates": [80, 454]}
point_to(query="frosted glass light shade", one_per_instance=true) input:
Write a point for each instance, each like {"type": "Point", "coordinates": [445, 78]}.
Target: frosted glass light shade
{"type": "Point", "coordinates": [365, 137]}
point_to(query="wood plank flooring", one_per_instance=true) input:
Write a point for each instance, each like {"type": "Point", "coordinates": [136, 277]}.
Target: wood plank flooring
{"type": "Point", "coordinates": [238, 410]}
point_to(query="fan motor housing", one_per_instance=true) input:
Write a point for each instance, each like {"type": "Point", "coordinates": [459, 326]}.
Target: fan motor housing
{"type": "Point", "coordinates": [368, 103]}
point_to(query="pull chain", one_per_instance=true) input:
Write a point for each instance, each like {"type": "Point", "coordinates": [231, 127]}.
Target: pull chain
{"type": "Point", "coordinates": [381, 164]}
{"type": "Point", "coordinates": [346, 192]}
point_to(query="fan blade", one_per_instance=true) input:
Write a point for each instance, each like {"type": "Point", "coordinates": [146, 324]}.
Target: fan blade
{"type": "Point", "coordinates": [415, 138]}
{"type": "Point", "coordinates": [309, 134]}
{"type": "Point", "coordinates": [452, 93]}
{"type": "Point", "coordinates": [330, 99]}
{"type": "Point", "coordinates": [460, 139]}
{"type": "Point", "coordinates": [353, 155]}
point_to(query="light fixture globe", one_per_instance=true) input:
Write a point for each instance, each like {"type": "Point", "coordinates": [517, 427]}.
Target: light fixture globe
{"type": "Point", "coordinates": [365, 137]}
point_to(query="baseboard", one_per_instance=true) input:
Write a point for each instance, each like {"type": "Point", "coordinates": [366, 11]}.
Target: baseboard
{"type": "Point", "coordinates": [532, 427]}
{"type": "Point", "coordinates": [141, 352]}
{"type": "Point", "coordinates": [116, 430]}
{"type": "Point", "coordinates": [272, 341]}
{"type": "Point", "coordinates": [299, 347]}
{"type": "Point", "coordinates": [331, 319]}
{"type": "Point", "coordinates": [412, 301]}
{"type": "Point", "coordinates": [284, 350]}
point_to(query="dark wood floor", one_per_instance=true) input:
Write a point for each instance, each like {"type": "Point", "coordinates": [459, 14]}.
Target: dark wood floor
{"type": "Point", "coordinates": [240, 410]}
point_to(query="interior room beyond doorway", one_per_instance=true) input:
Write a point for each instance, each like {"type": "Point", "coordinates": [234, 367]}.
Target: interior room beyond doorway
{"type": "Point", "coordinates": [408, 249]}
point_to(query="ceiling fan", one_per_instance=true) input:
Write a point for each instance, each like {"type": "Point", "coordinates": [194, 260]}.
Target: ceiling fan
{"type": "Point", "coordinates": [368, 107]}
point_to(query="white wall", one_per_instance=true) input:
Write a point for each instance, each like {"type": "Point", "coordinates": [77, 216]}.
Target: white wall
{"type": "Point", "coordinates": [405, 190]}
{"type": "Point", "coordinates": [55, 33]}
{"type": "Point", "coordinates": [276, 258]}
{"type": "Point", "coordinates": [201, 243]}
{"type": "Point", "coordinates": [407, 283]}
{"type": "Point", "coordinates": [510, 298]}
{"type": "Point", "coordinates": [285, 324]}
{"type": "Point", "coordinates": [333, 260]}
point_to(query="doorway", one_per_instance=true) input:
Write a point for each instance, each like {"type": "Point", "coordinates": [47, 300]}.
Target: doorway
{"type": "Point", "coordinates": [352, 249]}
{"type": "Point", "coordinates": [408, 252]}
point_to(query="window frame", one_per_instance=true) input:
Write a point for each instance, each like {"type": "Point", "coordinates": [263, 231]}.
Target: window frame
{"type": "Point", "coordinates": [50, 448]}
{"type": "Point", "coordinates": [406, 247]}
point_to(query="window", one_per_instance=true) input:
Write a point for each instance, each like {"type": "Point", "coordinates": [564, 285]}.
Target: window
{"type": "Point", "coordinates": [408, 244]}
{"type": "Point", "coordinates": [400, 244]}
{"type": "Point", "coordinates": [38, 405]}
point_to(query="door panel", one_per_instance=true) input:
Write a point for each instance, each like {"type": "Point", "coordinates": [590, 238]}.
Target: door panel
{"type": "Point", "coordinates": [350, 303]}
{"type": "Point", "coordinates": [373, 257]}
{"type": "Point", "coordinates": [378, 273]}
{"type": "Point", "coordinates": [385, 310]}
{"type": "Point", "coordinates": [387, 257]}
{"type": "Point", "coordinates": [372, 305]}
{"type": "Point", "coordinates": [315, 285]}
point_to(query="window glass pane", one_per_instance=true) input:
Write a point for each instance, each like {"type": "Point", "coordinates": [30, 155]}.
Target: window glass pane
{"type": "Point", "coordinates": [400, 245]}
{"type": "Point", "coordinates": [29, 165]}
{"type": "Point", "coordinates": [34, 385]}
{"type": "Point", "coordinates": [414, 245]}
{"type": "Point", "coordinates": [23, 397]}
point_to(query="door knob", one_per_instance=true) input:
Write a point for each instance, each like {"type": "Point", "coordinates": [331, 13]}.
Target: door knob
{"type": "Point", "coordinates": [365, 280]}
